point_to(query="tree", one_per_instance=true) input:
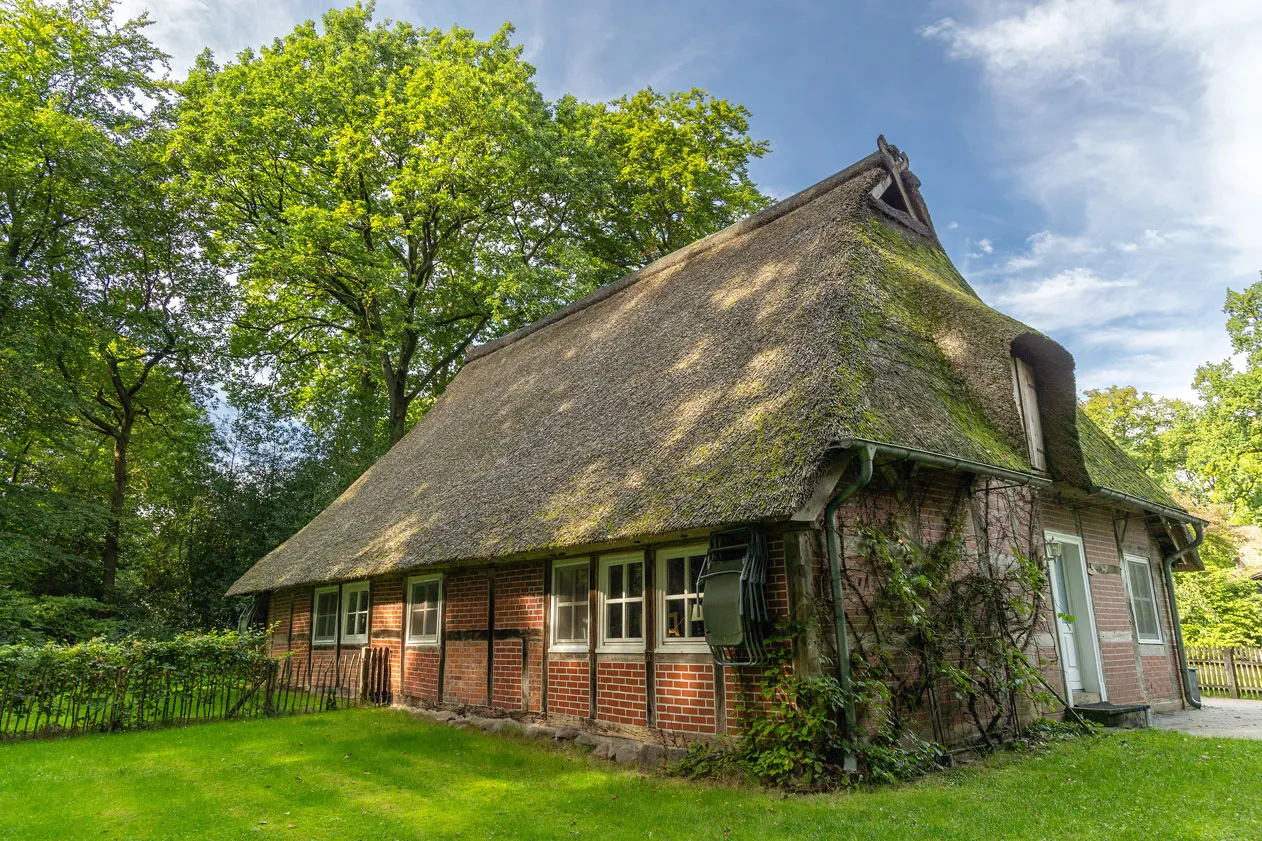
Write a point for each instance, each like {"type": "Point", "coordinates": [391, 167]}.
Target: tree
{"type": "Point", "coordinates": [1224, 451]}
{"type": "Point", "coordinates": [676, 169]}
{"type": "Point", "coordinates": [1220, 606]}
{"type": "Point", "coordinates": [391, 195]}
{"type": "Point", "coordinates": [1152, 430]}
{"type": "Point", "coordinates": [147, 311]}
{"type": "Point", "coordinates": [70, 84]}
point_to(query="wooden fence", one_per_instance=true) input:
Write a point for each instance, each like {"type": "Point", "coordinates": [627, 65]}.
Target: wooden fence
{"type": "Point", "coordinates": [111, 699]}
{"type": "Point", "coordinates": [1228, 672]}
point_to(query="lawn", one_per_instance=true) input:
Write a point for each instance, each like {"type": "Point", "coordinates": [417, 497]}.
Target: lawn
{"type": "Point", "coordinates": [380, 774]}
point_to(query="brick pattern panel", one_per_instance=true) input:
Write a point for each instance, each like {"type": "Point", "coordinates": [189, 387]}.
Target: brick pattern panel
{"type": "Point", "coordinates": [685, 697]}
{"type": "Point", "coordinates": [520, 606]}
{"type": "Point", "coordinates": [279, 609]}
{"type": "Point", "coordinates": [420, 673]}
{"type": "Point", "coordinates": [568, 687]}
{"type": "Point", "coordinates": [465, 672]}
{"type": "Point", "coordinates": [300, 636]}
{"type": "Point", "coordinates": [387, 622]}
{"type": "Point", "coordinates": [466, 601]}
{"type": "Point", "coordinates": [508, 674]}
{"type": "Point", "coordinates": [620, 693]}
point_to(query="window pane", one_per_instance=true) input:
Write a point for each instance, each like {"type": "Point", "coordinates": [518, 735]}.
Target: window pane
{"type": "Point", "coordinates": [431, 621]}
{"type": "Point", "coordinates": [615, 581]}
{"type": "Point", "coordinates": [635, 620]}
{"type": "Point", "coordinates": [635, 574]}
{"type": "Point", "coordinates": [613, 621]}
{"type": "Point", "coordinates": [675, 618]}
{"type": "Point", "coordinates": [696, 626]}
{"type": "Point", "coordinates": [674, 576]}
{"type": "Point", "coordinates": [565, 622]}
{"type": "Point", "coordinates": [565, 583]}
{"type": "Point", "coordinates": [580, 584]}
{"type": "Point", "coordinates": [694, 569]}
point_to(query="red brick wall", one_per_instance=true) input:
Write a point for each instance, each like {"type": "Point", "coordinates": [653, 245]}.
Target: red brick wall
{"type": "Point", "coordinates": [300, 636]}
{"type": "Point", "coordinates": [685, 697]}
{"type": "Point", "coordinates": [568, 686]}
{"type": "Point", "coordinates": [465, 609]}
{"type": "Point", "coordinates": [620, 693]}
{"type": "Point", "coordinates": [279, 610]}
{"type": "Point", "coordinates": [519, 606]}
{"type": "Point", "coordinates": [386, 622]}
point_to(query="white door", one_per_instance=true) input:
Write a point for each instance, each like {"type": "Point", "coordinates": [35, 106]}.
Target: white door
{"type": "Point", "coordinates": [1068, 629]}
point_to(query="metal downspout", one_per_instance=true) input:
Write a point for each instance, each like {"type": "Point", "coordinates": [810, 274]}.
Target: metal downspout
{"type": "Point", "coordinates": [866, 453]}
{"type": "Point", "coordinates": [1167, 566]}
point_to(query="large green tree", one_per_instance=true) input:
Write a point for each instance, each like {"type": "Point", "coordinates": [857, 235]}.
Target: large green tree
{"type": "Point", "coordinates": [1226, 451]}
{"type": "Point", "coordinates": [390, 195]}
{"type": "Point", "coordinates": [1153, 430]}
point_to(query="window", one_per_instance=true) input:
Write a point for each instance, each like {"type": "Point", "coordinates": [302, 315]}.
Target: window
{"type": "Point", "coordinates": [1023, 386]}
{"type": "Point", "coordinates": [677, 571]}
{"type": "Point", "coordinates": [1142, 598]}
{"type": "Point", "coordinates": [622, 592]}
{"type": "Point", "coordinates": [355, 612]}
{"type": "Point", "coordinates": [424, 602]}
{"type": "Point", "coordinates": [324, 623]}
{"type": "Point", "coordinates": [570, 590]}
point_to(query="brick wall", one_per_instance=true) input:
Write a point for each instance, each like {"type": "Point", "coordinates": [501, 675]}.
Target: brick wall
{"type": "Point", "coordinates": [568, 686]}
{"type": "Point", "coordinates": [620, 693]}
{"type": "Point", "coordinates": [465, 609]}
{"type": "Point", "coordinates": [685, 697]}
{"type": "Point", "coordinates": [386, 622]}
{"type": "Point", "coordinates": [519, 606]}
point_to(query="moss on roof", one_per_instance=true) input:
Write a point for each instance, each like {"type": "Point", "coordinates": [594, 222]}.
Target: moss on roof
{"type": "Point", "coordinates": [705, 390]}
{"type": "Point", "coordinates": [1109, 467]}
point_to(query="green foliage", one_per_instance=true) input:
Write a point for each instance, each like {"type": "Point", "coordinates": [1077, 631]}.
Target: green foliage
{"type": "Point", "coordinates": [1154, 431]}
{"type": "Point", "coordinates": [391, 195]}
{"type": "Point", "coordinates": [1221, 606]}
{"type": "Point", "coordinates": [793, 731]}
{"type": "Point", "coordinates": [100, 685]}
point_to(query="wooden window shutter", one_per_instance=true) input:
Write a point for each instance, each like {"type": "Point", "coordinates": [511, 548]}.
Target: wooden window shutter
{"type": "Point", "coordinates": [1028, 402]}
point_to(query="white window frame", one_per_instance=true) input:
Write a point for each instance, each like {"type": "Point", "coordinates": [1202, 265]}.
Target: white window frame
{"type": "Point", "coordinates": [422, 639]}
{"type": "Point", "coordinates": [315, 615]}
{"type": "Point", "coordinates": [349, 589]}
{"type": "Point", "coordinates": [667, 643]}
{"type": "Point", "coordinates": [1140, 561]}
{"type": "Point", "coordinates": [572, 646]}
{"type": "Point", "coordinates": [1026, 395]}
{"type": "Point", "coordinates": [620, 643]}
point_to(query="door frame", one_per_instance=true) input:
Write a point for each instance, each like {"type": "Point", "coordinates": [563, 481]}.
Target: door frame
{"type": "Point", "coordinates": [1097, 661]}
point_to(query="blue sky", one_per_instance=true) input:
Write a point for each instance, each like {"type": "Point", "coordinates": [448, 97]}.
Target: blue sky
{"type": "Point", "coordinates": [1093, 168]}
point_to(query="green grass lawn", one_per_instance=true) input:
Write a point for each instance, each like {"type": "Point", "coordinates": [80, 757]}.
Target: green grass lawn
{"type": "Point", "coordinates": [380, 774]}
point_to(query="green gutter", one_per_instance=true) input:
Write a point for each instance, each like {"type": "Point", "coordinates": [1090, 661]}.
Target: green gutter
{"type": "Point", "coordinates": [1148, 505]}
{"type": "Point", "coordinates": [946, 462]}
{"type": "Point", "coordinates": [865, 453]}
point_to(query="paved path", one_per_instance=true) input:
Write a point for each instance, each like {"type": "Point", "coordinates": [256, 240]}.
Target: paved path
{"type": "Point", "coordinates": [1218, 717]}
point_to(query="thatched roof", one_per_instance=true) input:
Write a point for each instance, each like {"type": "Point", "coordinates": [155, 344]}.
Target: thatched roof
{"type": "Point", "coordinates": [703, 390]}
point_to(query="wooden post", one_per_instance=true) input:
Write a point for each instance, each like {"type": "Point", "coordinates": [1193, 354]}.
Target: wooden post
{"type": "Point", "coordinates": [490, 637]}
{"type": "Point", "coordinates": [547, 637]}
{"type": "Point", "coordinates": [1229, 663]}
{"type": "Point", "coordinates": [593, 630]}
{"type": "Point", "coordinates": [650, 636]}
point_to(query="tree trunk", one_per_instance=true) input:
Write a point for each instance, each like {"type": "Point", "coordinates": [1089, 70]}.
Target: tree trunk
{"type": "Point", "coordinates": [399, 404]}
{"type": "Point", "coordinates": [118, 496]}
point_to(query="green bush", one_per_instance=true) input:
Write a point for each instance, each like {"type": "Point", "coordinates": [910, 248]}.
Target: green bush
{"type": "Point", "coordinates": [102, 685]}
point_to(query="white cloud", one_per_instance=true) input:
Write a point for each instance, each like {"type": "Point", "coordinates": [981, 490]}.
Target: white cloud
{"type": "Point", "coordinates": [1134, 127]}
